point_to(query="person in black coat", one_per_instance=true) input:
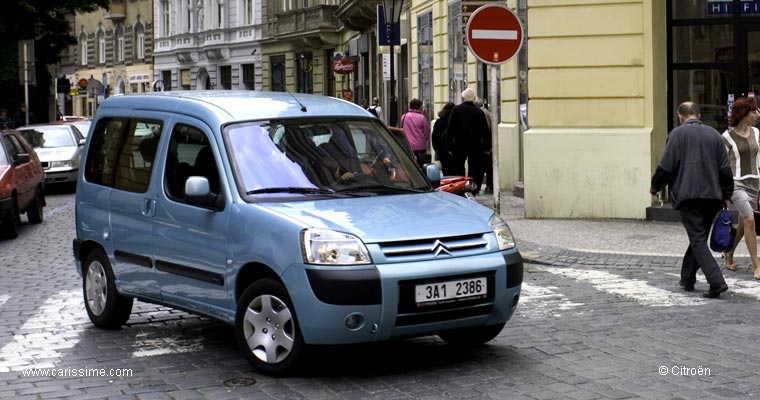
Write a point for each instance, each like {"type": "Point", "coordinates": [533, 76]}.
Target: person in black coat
{"type": "Point", "coordinates": [695, 166]}
{"type": "Point", "coordinates": [468, 138]}
{"type": "Point", "coordinates": [439, 138]}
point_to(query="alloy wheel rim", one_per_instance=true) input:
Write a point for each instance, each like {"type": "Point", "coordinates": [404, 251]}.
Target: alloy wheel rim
{"type": "Point", "coordinates": [269, 329]}
{"type": "Point", "coordinates": [95, 288]}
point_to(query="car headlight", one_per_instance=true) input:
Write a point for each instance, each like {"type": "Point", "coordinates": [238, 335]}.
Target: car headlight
{"type": "Point", "coordinates": [62, 164]}
{"type": "Point", "coordinates": [503, 234]}
{"type": "Point", "coordinates": [323, 246]}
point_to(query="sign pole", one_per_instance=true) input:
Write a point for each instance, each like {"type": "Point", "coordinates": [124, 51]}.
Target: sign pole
{"type": "Point", "coordinates": [495, 118]}
{"type": "Point", "coordinates": [26, 81]}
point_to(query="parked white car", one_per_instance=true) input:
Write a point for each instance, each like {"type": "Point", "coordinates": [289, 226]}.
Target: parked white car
{"type": "Point", "coordinates": [59, 147]}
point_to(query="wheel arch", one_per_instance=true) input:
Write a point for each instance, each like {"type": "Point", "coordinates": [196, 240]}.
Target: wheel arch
{"type": "Point", "coordinates": [250, 273]}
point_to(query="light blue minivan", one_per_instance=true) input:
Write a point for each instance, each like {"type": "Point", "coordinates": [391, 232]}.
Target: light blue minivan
{"type": "Point", "coordinates": [298, 219]}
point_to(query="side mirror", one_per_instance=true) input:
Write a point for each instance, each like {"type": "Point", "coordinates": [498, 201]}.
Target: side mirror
{"type": "Point", "coordinates": [433, 174]}
{"type": "Point", "coordinates": [82, 142]}
{"type": "Point", "coordinates": [21, 158]}
{"type": "Point", "coordinates": [198, 192]}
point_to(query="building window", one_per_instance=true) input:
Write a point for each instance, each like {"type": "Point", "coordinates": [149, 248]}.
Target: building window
{"type": "Point", "coordinates": [101, 47]}
{"type": "Point", "coordinates": [457, 54]}
{"type": "Point", "coordinates": [165, 19]}
{"type": "Point", "coordinates": [225, 77]}
{"type": "Point", "coordinates": [246, 10]}
{"type": "Point", "coordinates": [305, 72]}
{"type": "Point", "coordinates": [249, 76]}
{"type": "Point", "coordinates": [219, 13]}
{"type": "Point", "coordinates": [425, 59]}
{"type": "Point", "coordinates": [139, 42]}
{"type": "Point", "coordinates": [277, 67]}
{"type": "Point", "coordinates": [188, 13]}
{"type": "Point", "coordinates": [119, 44]}
{"type": "Point", "coordinates": [83, 48]}
{"type": "Point", "coordinates": [288, 5]}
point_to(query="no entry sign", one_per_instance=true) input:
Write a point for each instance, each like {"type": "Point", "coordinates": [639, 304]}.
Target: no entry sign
{"type": "Point", "coordinates": [494, 34]}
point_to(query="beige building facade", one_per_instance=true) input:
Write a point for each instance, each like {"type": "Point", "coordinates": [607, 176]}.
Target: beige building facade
{"type": "Point", "coordinates": [114, 53]}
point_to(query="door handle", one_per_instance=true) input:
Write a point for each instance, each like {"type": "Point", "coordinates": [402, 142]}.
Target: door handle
{"type": "Point", "coordinates": [149, 208]}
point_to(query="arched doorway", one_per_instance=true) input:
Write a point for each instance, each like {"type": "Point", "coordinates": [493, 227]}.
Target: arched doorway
{"type": "Point", "coordinates": [203, 82]}
{"type": "Point", "coordinates": [119, 88]}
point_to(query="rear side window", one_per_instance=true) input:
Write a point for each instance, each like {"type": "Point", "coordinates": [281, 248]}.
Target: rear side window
{"type": "Point", "coordinates": [3, 156]}
{"type": "Point", "coordinates": [122, 153]}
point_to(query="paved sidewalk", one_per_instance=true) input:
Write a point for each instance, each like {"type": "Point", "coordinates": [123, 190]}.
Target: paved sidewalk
{"type": "Point", "coordinates": [622, 238]}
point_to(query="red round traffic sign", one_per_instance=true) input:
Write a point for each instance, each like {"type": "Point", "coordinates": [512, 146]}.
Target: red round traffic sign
{"type": "Point", "coordinates": [494, 34]}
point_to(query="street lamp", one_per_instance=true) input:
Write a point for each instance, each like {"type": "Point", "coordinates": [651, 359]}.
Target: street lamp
{"type": "Point", "coordinates": [392, 15]}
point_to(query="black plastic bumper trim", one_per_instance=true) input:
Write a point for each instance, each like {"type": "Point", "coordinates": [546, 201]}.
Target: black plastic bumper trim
{"type": "Point", "coordinates": [77, 247]}
{"type": "Point", "coordinates": [514, 263]}
{"type": "Point", "coordinates": [346, 287]}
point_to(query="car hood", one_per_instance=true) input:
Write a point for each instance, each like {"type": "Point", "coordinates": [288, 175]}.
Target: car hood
{"type": "Point", "coordinates": [56, 153]}
{"type": "Point", "coordinates": [390, 218]}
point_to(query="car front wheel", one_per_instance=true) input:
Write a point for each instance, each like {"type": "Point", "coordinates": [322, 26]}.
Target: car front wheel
{"type": "Point", "coordinates": [34, 212]}
{"type": "Point", "coordinates": [471, 336]}
{"type": "Point", "coordinates": [266, 328]}
{"type": "Point", "coordinates": [105, 306]}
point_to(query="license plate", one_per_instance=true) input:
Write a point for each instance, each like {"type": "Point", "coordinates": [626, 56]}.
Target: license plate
{"type": "Point", "coordinates": [445, 292]}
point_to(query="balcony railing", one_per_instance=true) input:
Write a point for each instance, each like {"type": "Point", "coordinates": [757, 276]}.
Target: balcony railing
{"type": "Point", "coordinates": [305, 20]}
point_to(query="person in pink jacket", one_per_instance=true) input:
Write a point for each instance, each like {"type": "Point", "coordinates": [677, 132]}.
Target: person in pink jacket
{"type": "Point", "coordinates": [417, 131]}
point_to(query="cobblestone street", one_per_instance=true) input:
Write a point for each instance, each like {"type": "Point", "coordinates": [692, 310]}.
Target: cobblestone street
{"type": "Point", "coordinates": [589, 326]}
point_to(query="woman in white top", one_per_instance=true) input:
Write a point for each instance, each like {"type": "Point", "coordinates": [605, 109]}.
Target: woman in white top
{"type": "Point", "coordinates": [742, 141]}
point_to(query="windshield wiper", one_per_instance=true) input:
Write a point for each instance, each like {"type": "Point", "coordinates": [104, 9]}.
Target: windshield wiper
{"type": "Point", "coordinates": [378, 186]}
{"type": "Point", "coordinates": [299, 190]}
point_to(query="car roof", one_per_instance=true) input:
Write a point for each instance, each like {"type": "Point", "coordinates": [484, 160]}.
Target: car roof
{"type": "Point", "coordinates": [236, 105]}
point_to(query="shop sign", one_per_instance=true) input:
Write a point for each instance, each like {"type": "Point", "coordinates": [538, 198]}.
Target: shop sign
{"type": "Point", "coordinates": [722, 7]}
{"type": "Point", "coordinates": [343, 67]}
{"type": "Point", "coordinates": [185, 77]}
{"type": "Point", "coordinates": [139, 78]}
{"type": "Point", "coordinates": [347, 94]}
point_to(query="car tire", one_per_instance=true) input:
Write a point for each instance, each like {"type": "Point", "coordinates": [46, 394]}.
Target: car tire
{"type": "Point", "coordinates": [106, 308]}
{"type": "Point", "coordinates": [267, 329]}
{"type": "Point", "coordinates": [34, 212]}
{"type": "Point", "coordinates": [12, 223]}
{"type": "Point", "coordinates": [471, 337]}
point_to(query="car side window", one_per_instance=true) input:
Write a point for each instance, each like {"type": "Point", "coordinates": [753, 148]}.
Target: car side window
{"type": "Point", "coordinates": [122, 153]}
{"type": "Point", "coordinates": [12, 151]}
{"type": "Point", "coordinates": [189, 155]}
{"type": "Point", "coordinates": [137, 156]}
{"type": "Point", "coordinates": [14, 147]}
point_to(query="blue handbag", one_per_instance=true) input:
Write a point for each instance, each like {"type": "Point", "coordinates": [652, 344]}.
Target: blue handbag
{"type": "Point", "coordinates": [723, 232]}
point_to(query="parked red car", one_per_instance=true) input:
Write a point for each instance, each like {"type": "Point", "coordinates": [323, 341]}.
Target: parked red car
{"type": "Point", "coordinates": [21, 184]}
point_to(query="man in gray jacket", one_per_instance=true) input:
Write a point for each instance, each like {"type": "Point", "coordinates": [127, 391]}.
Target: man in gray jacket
{"type": "Point", "coordinates": [695, 165]}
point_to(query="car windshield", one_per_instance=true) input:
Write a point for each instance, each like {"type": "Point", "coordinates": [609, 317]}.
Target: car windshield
{"type": "Point", "coordinates": [318, 157]}
{"type": "Point", "coordinates": [49, 136]}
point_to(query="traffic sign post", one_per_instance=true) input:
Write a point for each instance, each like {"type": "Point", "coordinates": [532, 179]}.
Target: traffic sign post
{"type": "Point", "coordinates": [494, 36]}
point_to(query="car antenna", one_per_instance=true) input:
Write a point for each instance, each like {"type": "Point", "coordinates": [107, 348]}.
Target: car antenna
{"type": "Point", "coordinates": [303, 107]}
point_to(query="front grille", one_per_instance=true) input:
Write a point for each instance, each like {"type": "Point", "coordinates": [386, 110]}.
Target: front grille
{"type": "Point", "coordinates": [434, 247]}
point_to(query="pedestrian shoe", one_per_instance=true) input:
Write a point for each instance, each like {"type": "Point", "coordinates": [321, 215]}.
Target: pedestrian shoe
{"type": "Point", "coordinates": [757, 273]}
{"type": "Point", "coordinates": [714, 292]}
{"type": "Point", "coordinates": [687, 286]}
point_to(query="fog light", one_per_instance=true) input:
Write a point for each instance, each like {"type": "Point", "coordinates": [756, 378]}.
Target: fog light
{"type": "Point", "coordinates": [354, 321]}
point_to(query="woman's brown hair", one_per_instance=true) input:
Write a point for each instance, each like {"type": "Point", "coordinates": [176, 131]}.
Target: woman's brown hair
{"type": "Point", "coordinates": [742, 106]}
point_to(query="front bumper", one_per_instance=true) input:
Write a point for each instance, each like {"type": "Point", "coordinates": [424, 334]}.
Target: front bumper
{"type": "Point", "coordinates": [382, 296]}
{"type": "Point", "coordinates": [61, 175]}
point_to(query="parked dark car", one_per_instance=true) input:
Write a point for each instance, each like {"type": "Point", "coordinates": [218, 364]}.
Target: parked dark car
{"type": "Point", "coordinates": [21, 184]}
